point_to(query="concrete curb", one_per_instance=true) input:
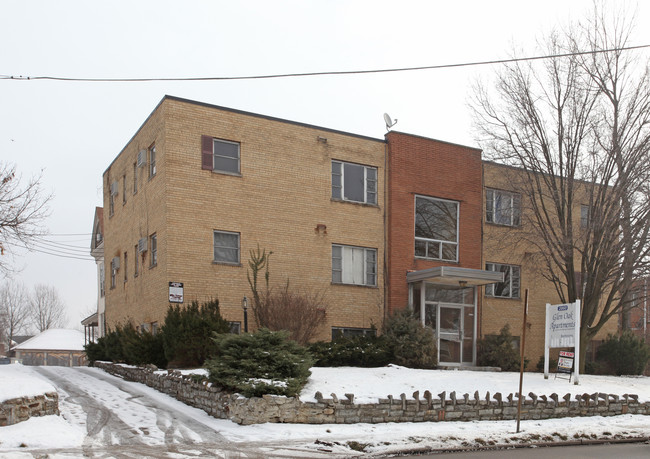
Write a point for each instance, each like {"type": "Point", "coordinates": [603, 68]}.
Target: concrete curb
{"type": "Point", "coordinates": [583, 441]}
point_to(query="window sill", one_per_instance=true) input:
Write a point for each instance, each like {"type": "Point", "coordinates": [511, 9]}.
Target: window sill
{"type": "Point", "coordinates": [503, 225]}
{"type": "Point", "coordinates": [232, 174]}
{"type": "Point", "coordinates": [503, 297]}
{"type": "Point", "coordinates": [354, 285]}
{"type": "Point", "coordinates": [437, 259]}
{"type": "Point", "coordinates": [225, 263]}
{"type": "Point", "coordinates": [362, 204]}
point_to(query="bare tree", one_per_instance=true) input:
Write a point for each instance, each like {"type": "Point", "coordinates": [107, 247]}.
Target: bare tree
{"type": "Point", "coordinates": [577, 129]}
{"type": "Point", "coordinates": [47, 309]}
{"type": "Point", "coordinates": [14, 310]}
{"type": "Point", "coordinates": [22, 211]}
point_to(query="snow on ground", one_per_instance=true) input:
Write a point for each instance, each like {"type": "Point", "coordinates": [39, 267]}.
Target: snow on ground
{"type": "Point", "coordinates": [367, 385]}
{"type": "Point", "coordinates": [19, 381]}
{"type": "Point", "coordinates": [370, 384]}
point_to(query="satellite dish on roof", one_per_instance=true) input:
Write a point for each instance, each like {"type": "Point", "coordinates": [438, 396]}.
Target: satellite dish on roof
{"type": "Point", "coordinates": [389, 122]}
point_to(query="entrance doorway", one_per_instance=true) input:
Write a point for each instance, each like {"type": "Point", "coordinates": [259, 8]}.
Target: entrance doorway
{"type": "Point", "coordinates": [450, 312]}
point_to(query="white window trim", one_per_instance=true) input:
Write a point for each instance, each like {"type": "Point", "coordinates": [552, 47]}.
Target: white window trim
{"type": "Point", "coordinates": [153, 250]}
{"type": "Point", "coordinates": [585, 220]}
{"type": "Point", "coordinates": [365, 182]}
{"type": "Point", "coordinates": [489, 289]}
{"type": "Point", "coordinates": [153, 168]}
{"type": "Point", "coordinates": [366, 250]}
{"type": "Point", "coordinates": [515, 210]}
{"type": "Point", "coordinates": [437, 241]}
{"type": "Point", "coordinates": [226, 262]}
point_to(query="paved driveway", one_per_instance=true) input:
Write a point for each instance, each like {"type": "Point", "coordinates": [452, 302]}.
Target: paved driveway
{"type": "Point", "coordinates": [128, 420]}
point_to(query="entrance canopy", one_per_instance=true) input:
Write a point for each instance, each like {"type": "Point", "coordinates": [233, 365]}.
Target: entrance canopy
{"type": "Point", "coordinates": [453, 275]}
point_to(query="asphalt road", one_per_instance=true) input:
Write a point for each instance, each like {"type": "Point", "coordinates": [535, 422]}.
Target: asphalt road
{"type": "Point", "coordinates": [604, 451]}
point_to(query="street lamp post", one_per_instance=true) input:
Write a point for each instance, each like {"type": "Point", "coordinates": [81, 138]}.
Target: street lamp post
{"type": "Point", "coordinates": [244, 304]}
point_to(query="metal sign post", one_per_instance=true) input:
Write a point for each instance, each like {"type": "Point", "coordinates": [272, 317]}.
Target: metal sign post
{"type": "Point", "coordinates": [521, 367]}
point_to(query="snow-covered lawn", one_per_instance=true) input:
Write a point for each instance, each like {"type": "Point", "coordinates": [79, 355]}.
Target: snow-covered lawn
{"type": "Point", "coordinates": [368, 385]}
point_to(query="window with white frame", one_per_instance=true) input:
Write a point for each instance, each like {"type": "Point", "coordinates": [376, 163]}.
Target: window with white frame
{"type": "Point", "coordinates": [113, 275]}
{"type": "Point", "coordinates": [354, 182]}
{"type": "Point", "coordinates": [102, 280]}
{"type": "Point", "coordinates": [136, 267]}
{"type": "Point", "coordinates": [436, 229]}
{"type": "Point", "coordinates": [135, 178]}
{"type": "Point", "coordinates": [153, 250]}
{"type": "Point", "coordinates": [126, 263]}
{"type": "Point", "coordinates": [124, 189]}
{"type": "Point", "coordinates": [584, 216]}
{"type": "Point", "coordinates": [509, 288]}
{"type": "Point", "coordinates": [502, 207]}
{"type": "Point", "coordinates": [354, 265]}
{"type": "Point", "coordinates": [226, 247]}
{"type": "Point", "coordinates": [220, 155]}
{"type": "Point", "coordinates": [152, 161]}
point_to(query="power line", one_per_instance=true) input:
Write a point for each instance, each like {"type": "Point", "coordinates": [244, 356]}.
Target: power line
{"type": "Point", "coordinates": [62, 248]}
{"type": "Point", "coordinates": [326, 73]}
{"type": "Point", "coordinates": [60, 256]}
{"type": "Point", "coordinates": [84, 248]}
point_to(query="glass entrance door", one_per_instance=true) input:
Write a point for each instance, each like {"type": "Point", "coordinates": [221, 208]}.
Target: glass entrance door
{"type": "Point", "coordinates": [450, 312]}
{"type": "Point", "coordinates": [450, 334]}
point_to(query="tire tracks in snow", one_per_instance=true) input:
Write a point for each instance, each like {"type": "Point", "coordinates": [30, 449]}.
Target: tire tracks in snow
{"type": "Point", "coordinates": [121, 416]}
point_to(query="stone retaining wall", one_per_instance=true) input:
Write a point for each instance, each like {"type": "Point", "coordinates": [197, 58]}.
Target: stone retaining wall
{"type": "Point", "coordinates": [21, 409]}
{"type": "Point", "coordinates": [420, 408]}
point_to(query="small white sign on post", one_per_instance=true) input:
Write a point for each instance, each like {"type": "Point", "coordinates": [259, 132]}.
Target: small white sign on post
{"type": "Point", "coordinates": [563, 330]}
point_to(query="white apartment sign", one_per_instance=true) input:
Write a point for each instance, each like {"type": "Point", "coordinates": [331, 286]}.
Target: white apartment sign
{"type": "Point", "coordinates": [562, 330]}
{"type": "Point", "coordinates": [175, 292]}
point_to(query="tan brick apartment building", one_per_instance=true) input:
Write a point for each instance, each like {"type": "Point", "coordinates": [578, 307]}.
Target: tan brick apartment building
{"type": "Point", "coordinates": [199, 186]}
{"type": "Point", "coordinates": [507, 247]}
{"type": "Point", "coordinates": [377, 224]}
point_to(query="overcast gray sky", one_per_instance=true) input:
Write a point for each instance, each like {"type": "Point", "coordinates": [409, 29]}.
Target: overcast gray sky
{"type": "Point", "coordinates": [73, 130]}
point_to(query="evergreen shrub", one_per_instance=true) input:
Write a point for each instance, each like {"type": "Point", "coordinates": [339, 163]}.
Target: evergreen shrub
{"type": "Point", "coordinates": [188, 331]}
{"type": "Point", "coordinates": [624, 355]}
{"type": "Point", "coordinates": [413, 345]}
{"type": "Point", "coordinates": [264, 362]}
{"type": "Point", "coordinates": [358, 351]}
{"type": "Point", "coordinates": [498, 351]}
{"type": "Point", "coordinates": [127, 345]}
{"type": "Point", "coordinates": [552, 364]}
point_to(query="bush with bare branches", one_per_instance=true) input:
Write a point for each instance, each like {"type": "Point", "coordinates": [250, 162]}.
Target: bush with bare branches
{"type": "Point", "coordinates": [299, 312]}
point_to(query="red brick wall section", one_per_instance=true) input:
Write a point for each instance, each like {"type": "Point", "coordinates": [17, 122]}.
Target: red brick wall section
{"type": "Point", "coordinates": [428, 167]}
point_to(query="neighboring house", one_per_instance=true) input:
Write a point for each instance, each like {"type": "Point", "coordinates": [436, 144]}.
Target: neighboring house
{"type": "Point", "coordinates": [378, 225]}
{"type": "Point", "coordinates": [97, 322]}
{"type": "Point", "coordinates": [18, 339]}
{"type": "Point", "coordinates": [54, 347]}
